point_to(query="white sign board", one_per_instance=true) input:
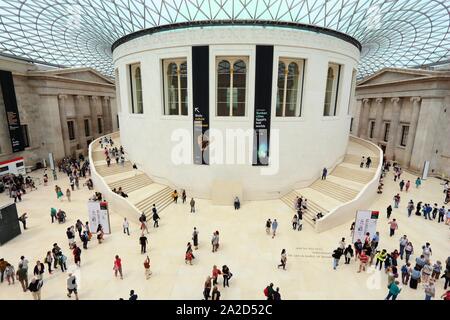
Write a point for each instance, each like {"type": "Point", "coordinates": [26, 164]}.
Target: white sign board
{"type": "Point", "coordinates": [366, 221]}
{"type": "Point", "coordinates": [98, 214]}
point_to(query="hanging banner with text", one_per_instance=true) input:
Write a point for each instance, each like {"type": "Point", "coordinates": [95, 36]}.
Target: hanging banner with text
{"type": "Point", "coordinates": [12, 111]}
{"type": "Point", "coordinates": [200, 99]}
{"type": "Point", "coordinates": [98, 214]}
{"type": "Point", "coordinates": [366, 221]}
{"type": "Point", "coordinates": [263, 101]}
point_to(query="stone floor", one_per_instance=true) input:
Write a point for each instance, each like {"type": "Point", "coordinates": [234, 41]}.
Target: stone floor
{"type": "Point", "coordinates": [251, 255]}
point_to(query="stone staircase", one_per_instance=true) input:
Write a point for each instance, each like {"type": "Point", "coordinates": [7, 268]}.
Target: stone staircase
{"type": "Point", "coordinates": [114, 168]}
{"type": "Point", "coordinates": [356, 159]}
{"type": "Point", "coordinates": [310, 213]}
{"type": "Point", "coordinates": [334, 190]}
{"type": "Point", "coordinates": [161, 199]}
{"type": "Point", "coordinates": [354, 174]}
{"type": "Point", "coordinates": [132, 183]}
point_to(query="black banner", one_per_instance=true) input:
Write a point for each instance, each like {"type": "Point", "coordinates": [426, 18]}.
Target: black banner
{"type": "Point", "coordinates": [12, 112]}
{"type": "Point", "coordinates": [200, 98]}
{"type": "Point", "coordinates": [263, 101]}
{"type": "Point", "coordinates": [9, 223]}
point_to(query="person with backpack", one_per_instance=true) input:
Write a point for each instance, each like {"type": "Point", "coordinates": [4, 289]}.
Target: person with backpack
{"type": "Point", "coordinates": [269, 291]}
{"type": "Point", "coordinates": [394, 290]}
{"type": "Point", "coordinates": [35, 287]}
{"type": "Point", "coordinates": [72, 286]}
{"type": "Point", "coordinates": [143, 221]}
{"type": "Point", "coordinates": [406, 273]}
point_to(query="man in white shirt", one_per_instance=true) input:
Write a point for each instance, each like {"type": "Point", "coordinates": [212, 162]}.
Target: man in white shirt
{"type": "Point", "coordinates": [126, 226]}
{"type": "Point", "coordinates": [72, 286]}
{"type": "Point", "coordinates": [403, 242]}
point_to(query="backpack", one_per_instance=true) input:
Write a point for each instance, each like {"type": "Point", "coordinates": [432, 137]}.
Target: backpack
{"type": "Point", "coordinates": [266, 291]}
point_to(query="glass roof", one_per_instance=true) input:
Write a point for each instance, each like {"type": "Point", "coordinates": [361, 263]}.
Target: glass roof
{"type": "Point", "coordinates": [393, 33]}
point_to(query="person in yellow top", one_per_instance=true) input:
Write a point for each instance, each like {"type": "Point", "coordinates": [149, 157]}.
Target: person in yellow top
{"type": "Point", "coordinates": [175, 196]}
{"type": "Point", "coordinates": [380, 257]}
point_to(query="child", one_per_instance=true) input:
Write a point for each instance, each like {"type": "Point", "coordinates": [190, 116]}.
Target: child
{"type": "Point", "coordinates": [188, 258]}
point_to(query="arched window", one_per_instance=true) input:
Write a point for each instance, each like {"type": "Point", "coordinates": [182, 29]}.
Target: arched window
{"type": "Point", "coordinates": [331, 91]}
{"type": "Point", "coordinates": [231, 86]}
{"type": "Point", "coordinates": [289, 87]}
{"type": "Point", "coordinates": [138, 81]}
{"type": "Point", "coordinates": [137, 104]}
{"type": "Point", "coordinates": [175, 83]}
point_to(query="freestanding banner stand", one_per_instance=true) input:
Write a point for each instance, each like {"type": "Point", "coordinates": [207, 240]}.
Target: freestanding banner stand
{"type": "Point", "coordinates": [9, 223]}
{"type": "Point", "coordinates": [98, 214]}
{"type": "Point", "coordinates": [365, 221]}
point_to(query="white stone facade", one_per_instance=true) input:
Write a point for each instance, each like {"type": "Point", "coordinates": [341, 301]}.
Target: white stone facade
{"type": "Point", "coordinates": [47, 99]}
{"type": "Point", "coordinates": [415, 99]}
{"type": "Point", "coordinates": [306, 143]}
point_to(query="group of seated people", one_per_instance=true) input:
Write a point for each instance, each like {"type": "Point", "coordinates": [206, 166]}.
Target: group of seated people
{"type": "Point", "coordinates": [97, 197]}
{"type": "Point", "coordinates": [120, 192]}
{"type": "Point", "coordinates": [319, 215]}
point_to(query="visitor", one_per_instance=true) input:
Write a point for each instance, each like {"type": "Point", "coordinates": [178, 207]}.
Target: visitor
{"type": "Point", "coordinates": [268, 226]}
{"type": "Point", "coordinates": [76, 255]}
{"type": "Point", "coordinates": [294, 222]}
{"type": "Point", "coordinates": [118, 267]}
{"type": "Point", "coordinates": [403, 243]}
{"type": "Point", "coordinates": [100, 233]}
{"type": "Point", "coordinates": [394, 290]}
{"type": "Point", "coordinates": [437, 268]}
{"type": "Point", "coordinates": [283, 259]}
{"type": "Point", "coordinates": [324, 173]}
{"type": "Point", "coordinates": [23, 218]}
{"type": "Point", "coordinates": [393, 226]}
{"type": "Point", "coordinates": [348, 254]}
{"type": "Point", "coordinates": [409, 250]}
{"type": "Point", "coordinates": [441, 214]}
{"type": "Point", "coordinates": [352, 229]}
{"type": "Point", "coordinates": [368, 162]}
{"type": "Point", "coordinates": [358, 248]}
{"type": "Point", "coordinates": [192, 204]}
{"type": "Point", "coordinates": [48, 260]}
{"type": "Point", "coordinates": [53, 214]}
{"type": "Point", "coordinates": [195, 238]}
{"type": "Point", "coordinates": [389, 211]}
{"type": "Point", "coordinates": [363, 259]}
{"type": "Point", "coordinates": [215, 293]}
{"type": "Point", "coordinates": [38, 270]}
{"type": "Point", "coordinates": [269, 291]}
{"type": "Point", "coordinates": [175, 196]}
{"type": "Point", "coordinates": [68, 194]}
{"type": "Point", "coordinates": [276, 294]}
{"type": "Point", "coordinates": [426, 271]}
{"type": "Point", "coordinates": [361, 164]}
{"type": "Point", "coordinates": [143, 220]}
{"type": "Point", "coordinates": [147, 273]}
{"type": "Point", "coordinates": [72, 286]}
{"type": "Point", "coordinates": [237, 203]}
{"type": "Point", "coordinates": [143, 241]}
{"type": "Point", "coordinates": [418, 182]}
{"type": "Point", "coordinates": [407, 185]}
{"type": "Point", "coordinates": [415, 277]}
{"type": "Point", "coordinates": [133, 296]}
{"type": "Point", "coordinates": [446, 276]}
{"type": "Point", "coordinates": [430, 290]}
{"type": "Point", "coordinates": [274, 228]}
{"type": "Point", "coordinates": [380, 257]}
{"type": "Point", "coordinates": [342, 244]}
{"type": "Point", "coordinates": [35, 287]}
{"type": "Point", "coordinates": [126, 226]}
{"type": "Point", "coordinates": [226, 276]}
{"type": "Point", "coordinates": [426, 251]}
{"type": "Point", "coordinates": [183, 196]}
{"type": "Point", "coordinates": [396, 200]}
{"type": "Point", "coordinates": [410, 207]}
{"type": "Point", "coordinates": [336, 257]}
{"type": "Point", "coordinates": [215, 274]}
{"type": "Point", "coordinates": [215, 241]}
{"type": "Point", "coordinates": [402, 184]}
{"type": "Point", "coordinates": [22, 276]}
{"type": "Point", "coordinates": [207, 288]}
{"type": "Point", "coordinates": [375, 241]}
{"type": "Point", "coordinates": [406, 273]}
{"type": "Point", "coordinates": [10, 274]}
{"type": "Point", "coordinates": [155, 217]}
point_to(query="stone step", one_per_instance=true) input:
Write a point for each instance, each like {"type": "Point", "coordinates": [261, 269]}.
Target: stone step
{"type": "Point", "coordinates": [132, 184]}
{"type": "Point", "coordinates": [334, 190]}
{"type": "Point", "coordinates": [161, 199]}
{"type": "Point", "coordinates": [310, 213]}
{"type": "Point", "coordinates": [104, 170]}
{"type": "Point", "coordinates": [352, 174]}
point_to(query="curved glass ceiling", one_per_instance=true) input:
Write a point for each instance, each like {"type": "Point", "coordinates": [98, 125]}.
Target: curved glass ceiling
{"type": "Point", "coordinates": [393, 33]}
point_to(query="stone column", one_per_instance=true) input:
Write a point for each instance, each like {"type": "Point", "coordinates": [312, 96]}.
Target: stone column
{"type": "Point", "coordinates": [378, 136]}
{"type": "Point", "coordinates": [106, 115]}
{"type": "Point", "coordinates": [412, 130]}
{"type": "Point", "coordinates": [364, 119]}
{"type": "Point", "coordinates": [395, 122]}
{"type": "Point", "coordinates": [81, 136]}
{"type": "Point", "coordinates": [63, 119]}
{"type": "Point", "coordinates": [93, 103]}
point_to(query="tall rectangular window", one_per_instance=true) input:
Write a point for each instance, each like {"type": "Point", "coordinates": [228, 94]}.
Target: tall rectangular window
{"type": "Point", "coordinates": [117, 118]}
{"type": "Point", "coordinates": [175, 87]}
{"type": "Point", "coordinates": [26, 137]}
{"type": "Point", "coordinates": [332, 89]}
{"type": "Point", "coordinates": [87, 129]}
{"type": "Point", "coordinates": [387, 127]}
{"type": "Point", "coordinates": [100, 125]}
{"type": "Point", "coordinates": [290, 87]}
{"type": "Point", "coordinates": [371, 129]}
{"type": "Point", "coordinates": [137, 104]}
{"type": "Point", "coordinates": [116, 79]}
{"type": "Point", "coordinates": [405, 132]}
{"type": "Point", "coordinates": [351, 124]}
{"type": "Point", "coordinates": [71, 128]}
{"type": "Point", "coordinates": [231, 86]}
{"type": "Point", "coordinates": [352, 90]}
